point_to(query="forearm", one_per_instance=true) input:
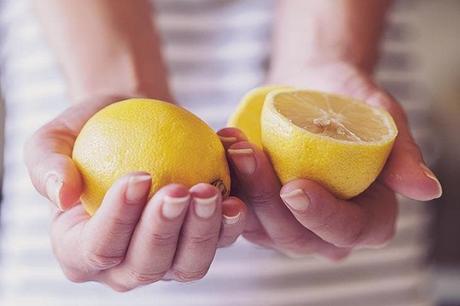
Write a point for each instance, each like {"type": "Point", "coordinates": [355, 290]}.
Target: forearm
{"type": "Point", "coordinates": [105, 47]}
{"type": "Point", "coordinates": [316, 32]}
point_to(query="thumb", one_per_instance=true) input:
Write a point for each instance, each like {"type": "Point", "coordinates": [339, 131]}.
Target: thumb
{"type": "Point", "coordinates": [51, 169]}
{"type": "Point", "coordinates": [48, 152]}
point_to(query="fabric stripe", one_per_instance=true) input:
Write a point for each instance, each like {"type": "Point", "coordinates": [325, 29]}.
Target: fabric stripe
{"type": "Point", "coordinates": [215, 50]}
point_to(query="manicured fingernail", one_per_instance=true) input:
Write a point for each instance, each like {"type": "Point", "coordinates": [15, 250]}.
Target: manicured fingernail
{"type": "Point", "coordinates": [53, 189]}
{"type": "Point", "coordinates": [204, 208]}
{"type": "Point", "coordinates": [137, 188]}
{"type": "Point", "coordinates": [244, 160]}
{"type": "Point", "coordinates": [174, 206]}
{"type": "Point", "coordinates": [230, 214]}
{"type": "Point", "coordinates": [228, 140]}
{"type": "Point", "coordinates": [432, 176]}
{"type": "Point", "coordinates": [296, 199]}
{"type": "Point", "coordinates": [229, 220]}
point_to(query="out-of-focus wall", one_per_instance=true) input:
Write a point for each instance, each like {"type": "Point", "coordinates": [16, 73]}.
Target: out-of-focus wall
{"type": "Point", "coordinates": [438, 44]}
{"type": "Point", "coordinates": [438, 28]}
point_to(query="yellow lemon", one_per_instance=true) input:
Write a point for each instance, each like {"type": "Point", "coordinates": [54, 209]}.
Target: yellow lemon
{"type": "Point", "coordinates": [337, 141]}
{"type": "Point", "coordinates": [170, 143]}
{"type": "Point", "coordinates": [247, 115]}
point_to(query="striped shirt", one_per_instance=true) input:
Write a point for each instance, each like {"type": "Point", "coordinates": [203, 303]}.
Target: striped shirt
{"type": "Point", "coordinates": [216, 50]}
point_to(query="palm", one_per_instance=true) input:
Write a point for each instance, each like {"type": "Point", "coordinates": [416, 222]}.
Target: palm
{"type": "Point", "coordinates": [331, 227]}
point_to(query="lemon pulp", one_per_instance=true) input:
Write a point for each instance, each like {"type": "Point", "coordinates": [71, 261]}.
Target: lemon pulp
{"type": "Point", "coordinates": [337, 141]}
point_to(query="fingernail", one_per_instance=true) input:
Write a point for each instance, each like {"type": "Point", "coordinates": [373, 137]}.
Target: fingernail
{"type": "Point", "coordinates": [204, 208]}
{"type": "Point", "coordinates": [432, 176]}
{"type": "Point", "coordinates": [137, 188]}
{"type": "Point", "coordinates": [174, 206]}
{"type": "Point", "coordinates": [296, 199]}
{"type": "Point", "coordinates": [53, 189]}
{"type": "Point", "coordinates": [228, 140]}
{"type": "Point", "coordinates": [230, 214]}
{"type": "Point", "coordinates": [244, 160]}
{"type": "Point", "coordinates": [231, 219]}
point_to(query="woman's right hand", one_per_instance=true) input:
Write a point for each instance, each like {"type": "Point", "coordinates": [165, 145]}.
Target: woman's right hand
{"type": "Point", "coordinates": [131, 240]}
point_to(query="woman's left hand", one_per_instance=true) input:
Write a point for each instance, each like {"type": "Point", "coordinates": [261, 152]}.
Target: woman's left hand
{"type": "Point", "coordinates": [302, 217]}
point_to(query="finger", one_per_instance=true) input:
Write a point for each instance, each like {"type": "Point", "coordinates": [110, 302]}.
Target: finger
{"type": "Point", "coordinates": [229, 136]}
{"type": "Point", "coordinates": [258, 181]}
{"type": "Point", "coordinates": [405, 171]}
{"type": "Point", "coordinates": [153, 244]}
{"type": "Point", "coordinates": [368, 221]}
{"type": "Point", "coordinates": [66, 229]}
{"type": "Point", "coordinates": [253, 230]}
{"type": "Point", "coordinates": [233, 221]}
{"type": "Point", "coordinates": [106, 235]}
{"type": "Point", "coordinates": [48, 153]}
{"type": "Point", "coordinates": [199, 236]}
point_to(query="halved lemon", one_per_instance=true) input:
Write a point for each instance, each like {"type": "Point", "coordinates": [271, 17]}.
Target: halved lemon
{"type": "Point", "coordinates": [340, 142]}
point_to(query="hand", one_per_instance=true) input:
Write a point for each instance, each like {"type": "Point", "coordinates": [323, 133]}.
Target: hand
{"type": "Point", "coordinates": [302, 217]}
{"type": "Point", "coordinates": [131, 240]}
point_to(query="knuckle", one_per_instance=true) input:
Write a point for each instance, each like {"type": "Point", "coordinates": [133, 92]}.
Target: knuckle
{"type": "Point", "coordinates": [76, 276]}
{"type": "Point", "coordinates": [97, 261]}
{"type": "Point", "coordinates": [198, 241]}
{"type": "Point", "coordinates": [260, 198]}
{"type": "Point", "coordinates": [120, 287]}
{"type": "Point", "coordinates": [163, 239]}
{"type": "Point", "coordinates": [142, 278]}
{"type": "Point", "coordinates": [122, 224]}
{"type": "Point", "coordinates": [293, 245]}
{"type": "Point", "coordinates": [188, 276]}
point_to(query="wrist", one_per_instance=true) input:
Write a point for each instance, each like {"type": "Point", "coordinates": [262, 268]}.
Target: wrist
{"type": "Point", "coordinates": [109, 93]}
{"type": "Point", "coordinates": [316, 68]}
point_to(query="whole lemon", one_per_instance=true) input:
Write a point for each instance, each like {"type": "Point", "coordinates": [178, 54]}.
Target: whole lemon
{"type": "Point", "coordinates": [168, 142]}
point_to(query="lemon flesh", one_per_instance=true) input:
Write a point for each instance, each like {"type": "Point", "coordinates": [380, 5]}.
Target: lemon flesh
{"type": "Point", "coordinates": [168, 142]}
{"type": "Point", "coordinates": [337, 141]}
{"type": "Point", "coordinates": [247, 115]}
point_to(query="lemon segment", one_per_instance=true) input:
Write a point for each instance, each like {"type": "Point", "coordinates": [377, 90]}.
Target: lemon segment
{"type": "Point", "coordinates": [168, 142]}
{"type": "Point", "coordinates": [247, 115]}
{"type": "Point", "coordinates": [337, 141]}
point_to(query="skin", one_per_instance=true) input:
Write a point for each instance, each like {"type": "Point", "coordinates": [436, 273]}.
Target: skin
{"type": "Point", "coordinates": [129, 242]}
{"type": "Point", "coordinates": [331, 50]}
{"type": "Point", "coordinates": [339, 54]}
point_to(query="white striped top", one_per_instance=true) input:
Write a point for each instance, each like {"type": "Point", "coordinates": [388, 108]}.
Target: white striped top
{"type": "Point", "coordinates": [216, 50]}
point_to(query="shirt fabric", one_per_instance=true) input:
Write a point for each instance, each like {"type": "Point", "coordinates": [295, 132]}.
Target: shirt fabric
{"type": "Point", "coordinates": [215, 50]}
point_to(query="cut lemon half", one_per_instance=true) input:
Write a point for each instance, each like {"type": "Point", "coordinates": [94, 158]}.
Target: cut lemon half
{"type": "Point", "coordinates": [340, 142]}
{"type": "Point", "coordinates": [247, 115]}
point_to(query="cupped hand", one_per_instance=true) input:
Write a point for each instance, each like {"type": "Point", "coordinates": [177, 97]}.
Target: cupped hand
{"type": "Point", "coordinates": [131, 240]}
{"type": "Point", "coordinates": [302, 217]}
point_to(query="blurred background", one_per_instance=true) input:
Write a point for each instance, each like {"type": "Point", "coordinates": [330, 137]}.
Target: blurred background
{"type": "Point", "coordinates": [431, 28]}
{"type": "Point", "coordinates": [429, 73]}
{"type": "Point", "coordinates": [437, 47]}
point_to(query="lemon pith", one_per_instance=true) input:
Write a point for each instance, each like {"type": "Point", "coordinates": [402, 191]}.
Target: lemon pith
{"type": "Point", "coordinates": [168, 142]}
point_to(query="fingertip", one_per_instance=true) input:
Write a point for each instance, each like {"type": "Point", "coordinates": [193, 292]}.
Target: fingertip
{"type": "Point", "coordinates": [63, 184]}
{"type": "Point", "coordinates": [204, 190]}
{"type": "Point", "coordinates": [230, 135]}
{"type": "Point", "coordinates": [311, 188]}
{"type": "Point", "coordinates": [174, 190]}
{"type": "Point", "coordinates": [415, 181]}
{"type": "Point", "coordinates": [435, 184]}
{"type": "Point", "coordinates": [233, 210]}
